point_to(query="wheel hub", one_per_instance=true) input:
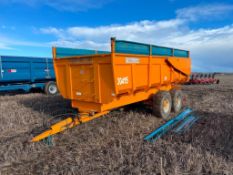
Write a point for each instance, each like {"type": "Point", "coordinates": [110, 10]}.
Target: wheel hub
{"type": "Point", "coordinates": [178, 102]}
{"type": "Point", "coordinates": [52, 89]}
{"type": "Point", "coordinates": [166, 105]}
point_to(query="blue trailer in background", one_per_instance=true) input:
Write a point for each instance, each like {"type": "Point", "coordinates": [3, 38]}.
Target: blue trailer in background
{"type": "Point", "coordinates": [27, 73]}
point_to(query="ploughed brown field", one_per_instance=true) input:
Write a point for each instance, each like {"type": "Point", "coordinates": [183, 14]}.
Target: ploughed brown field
{"type": "Point", "coordinates": [114, 144]}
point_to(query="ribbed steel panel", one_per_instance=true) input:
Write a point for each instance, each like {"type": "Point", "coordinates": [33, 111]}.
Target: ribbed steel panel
{"type": "Point", "coordinates": [16, 69]}
{"type": "Point", "coordinates": [68, 52]}
{"type": "Point", "coordinates": [144, 49]}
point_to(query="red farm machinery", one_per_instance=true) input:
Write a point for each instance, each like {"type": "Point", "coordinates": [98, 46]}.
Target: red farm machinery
{"type": "Point", "coordinates": [203, 78]}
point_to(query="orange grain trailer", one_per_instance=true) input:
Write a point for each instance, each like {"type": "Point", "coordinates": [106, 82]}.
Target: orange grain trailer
{"type": "Point", "coordinates": [97, 82]}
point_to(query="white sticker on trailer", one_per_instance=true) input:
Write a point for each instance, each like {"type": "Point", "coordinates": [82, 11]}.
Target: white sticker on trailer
{"type": "Point", "coordinates": [12, 71]}
{"type": "Point", "coordinates": [122, 81]}
{"type": "Point", "coordinates": [130, 60]}
{"type": "Point", "coordinates": [78, 93]}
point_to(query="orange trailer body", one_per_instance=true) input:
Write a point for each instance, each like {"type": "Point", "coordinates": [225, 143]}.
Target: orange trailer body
{"type": "Point", "coordinates": [97, 81]}
{"type": "Point", "coordinates": [101, 82]}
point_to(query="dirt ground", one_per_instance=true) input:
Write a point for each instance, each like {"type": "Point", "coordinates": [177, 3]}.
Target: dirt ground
{"type": "Point", "coordinates": [114, 144]}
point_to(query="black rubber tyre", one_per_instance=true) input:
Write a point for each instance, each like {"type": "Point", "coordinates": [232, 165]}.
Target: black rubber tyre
{"type": "Point", "coordinates": [162, 104]}
{"type": "Point", "coordinates": [51, 88]}
{"type": "Point", "coordinates": [177, 100]}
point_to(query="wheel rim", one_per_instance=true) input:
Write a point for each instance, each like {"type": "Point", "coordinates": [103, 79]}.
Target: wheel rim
{"type": "Point", "coordinates": [166, 106]}
{"type": "Point", "coordinates": [178, 102]}
{"type": "Point", "coordinates": [52, 89]}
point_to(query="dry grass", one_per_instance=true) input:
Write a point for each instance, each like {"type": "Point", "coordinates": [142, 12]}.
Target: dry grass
{"type": "Point", "coordinates": [114, 144]}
